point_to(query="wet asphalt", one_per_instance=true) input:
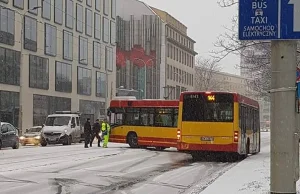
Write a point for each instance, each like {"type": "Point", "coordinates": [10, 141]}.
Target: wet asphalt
{"type": "Point", "coordinates": [114, 170]}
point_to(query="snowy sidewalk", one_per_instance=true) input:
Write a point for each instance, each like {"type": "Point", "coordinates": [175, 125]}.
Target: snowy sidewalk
{"type": "Point", "coordinates": [249, 176]}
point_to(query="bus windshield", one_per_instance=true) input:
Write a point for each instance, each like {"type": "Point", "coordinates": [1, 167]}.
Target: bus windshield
{"type": "Point", "coordinates": [204, 107]}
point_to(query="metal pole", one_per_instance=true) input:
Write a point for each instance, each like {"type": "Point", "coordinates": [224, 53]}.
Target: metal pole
{"type": "Point", "coordinates": [106, 89]}
{"type": "Point", "coordinates": [145, 93]}
{"type": "Point", "coordinates": [284, 151]}
{"type": "Point", "coordinates": [21, 76]}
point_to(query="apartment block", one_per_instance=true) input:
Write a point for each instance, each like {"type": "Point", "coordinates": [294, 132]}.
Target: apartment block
{"type": "Point", "coordinates": [56, 55]}
{"type": "Point", "coordinates": [179, 56]}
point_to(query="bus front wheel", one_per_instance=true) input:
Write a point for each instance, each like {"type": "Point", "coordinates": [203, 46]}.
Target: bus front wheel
{"type": "Point", "coordinates": [132, 140]}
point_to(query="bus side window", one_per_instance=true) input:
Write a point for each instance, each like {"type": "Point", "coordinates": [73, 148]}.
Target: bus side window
{"type": "Point", "coordinates": [118, 118]}
{"type": "Point", "coordinates": [164, 118]}
{"type": "Point", "coordinates": [132, 116]}
{"type": "Point", "coordinates": [240, 116]}
{"type": "Point", "coordinates": [144, 117]}
{"type": "Point", "coordinates": [175, 118]}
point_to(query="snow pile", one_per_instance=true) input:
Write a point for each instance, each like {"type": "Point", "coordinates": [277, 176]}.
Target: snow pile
{"type": "Point", "coordinates": [252, 175]}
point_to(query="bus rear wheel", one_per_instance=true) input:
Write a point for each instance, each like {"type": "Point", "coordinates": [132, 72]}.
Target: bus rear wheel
{"type": "Point", "coordinates": [196, 156]}
{"type": "Point", "coordinates": [132, 140]}
{"type": "Point", "coordinates": [160, 148]}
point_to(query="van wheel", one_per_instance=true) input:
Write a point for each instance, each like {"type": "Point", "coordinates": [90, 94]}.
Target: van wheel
{"type": "Point", "coordinates": [16, 146]}
{"type": "Point", "coordinates": [132, 140]}
{"type": "Point", "coordinates": [43, 143]}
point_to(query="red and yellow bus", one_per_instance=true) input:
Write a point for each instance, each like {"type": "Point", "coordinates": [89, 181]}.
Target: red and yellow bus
{"type": "Point", "coordinates": [218, 122]}
{"type": "Point", "coordinates": [144, 123]}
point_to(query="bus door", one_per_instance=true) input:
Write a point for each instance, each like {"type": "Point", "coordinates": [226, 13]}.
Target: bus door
{"type": "Point", "coordinates": [243, 128]}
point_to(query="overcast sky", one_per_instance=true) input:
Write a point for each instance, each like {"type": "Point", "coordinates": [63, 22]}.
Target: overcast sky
{"type": "Point", "coordinates": [205, 21]}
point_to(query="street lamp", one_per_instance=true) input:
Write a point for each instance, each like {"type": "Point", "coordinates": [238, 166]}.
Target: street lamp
{"type": "Point", "coordinates": [21, 62]}
{"type": "Point", "coordinates": [145, 65]}
{"type": "Point", "coordinates": [169, 89]}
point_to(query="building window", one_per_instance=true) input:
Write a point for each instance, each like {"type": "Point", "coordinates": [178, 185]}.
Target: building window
{"type": "Point", "coordinates": [105, 30]}
{"type": "Point", "coordinates": [38, 72]}
{"type": "Point", "coordinates": [45, 105]}
{"type": "Point", "coordinates": [63, 77]}
{"type": "Point", "coordinates": [97, 54]}
{"type": "Point", "coordinates": [83, 50]}
{"type": "Point", "coordinates": [58, 11]}
{"type": "Point", "coordinates": [50, 40]}
{"type": "Point", "coordinates": [30, 36]}
{"type": "Point", "coordinates": [69, 14]}
{"type": "Point", "coordinates": [32, 6]}
{"type": "Point", "coordinates": [113, 9]}
{"type": "Point", "coordinates": [68, 45]}
{"type": "Point", "coordinates": [109, 58]}
{"type": "Point", "coordinates": [106, 7]}
{"type": "Point", "coordinates": [98, 5]}
{"type": "Point", "coordinates": [113, 33]}
{"type": "Point", "coordinates": [9, 106]}
{"type": "Point", "coordinates": [10, 66]}
{"type": "Point", "coordinates": [79, 18]}
{"type": "Point", "coordinates": [84, 81]}
{"type": "Point", "coordinates": [91, 109]}
{"type": "Point", "coordinates": [19, 4]}
{"type": "Point", "coordinates": [101, 84]}
{"type": "Point", "coordinates": [7, 26]}
{"type": "Point", "coordinates": [97, 26]}
{"type": "Point", "coordinates": [89, 3]}
{"type": "Point", "coordinates": [88, 22]}
{"type": "Point", "coordinates": [46, 11]}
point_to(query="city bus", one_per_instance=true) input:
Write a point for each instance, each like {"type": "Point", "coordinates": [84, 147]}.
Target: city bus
{"type": "Point", "coordinates": [144, 123]}
{"type": "Point", "coordinates": [218, 122]}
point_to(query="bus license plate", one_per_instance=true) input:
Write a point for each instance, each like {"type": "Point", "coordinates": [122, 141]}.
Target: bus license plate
{"type": "Point", "coordinates": [207, 138]}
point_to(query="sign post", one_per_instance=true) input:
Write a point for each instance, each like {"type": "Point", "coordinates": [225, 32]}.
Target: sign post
{"type": "Point", "coordinates": [278, 21]}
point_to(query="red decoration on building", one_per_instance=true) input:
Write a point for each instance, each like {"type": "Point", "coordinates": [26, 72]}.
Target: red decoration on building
{"type": "Point", "coordinates": [120, 58]}
{"type": "Point", "coordinates": [137, 56]}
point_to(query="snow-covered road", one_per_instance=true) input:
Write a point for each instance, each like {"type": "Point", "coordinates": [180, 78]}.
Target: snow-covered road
{"type": "Point", "coordinates": [117, 169]}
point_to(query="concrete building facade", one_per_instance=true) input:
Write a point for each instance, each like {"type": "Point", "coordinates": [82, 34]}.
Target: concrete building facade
{"type": "Point", "coordinates": [152, 38]}
{"type": "Point", "coordinates": [222, 81]}
{"type": "Point", "coordinates": [56, 55]}
{"type": "Point", "coordinates": [179, 56]}
{"type": "Point", "coordinates": [139, 50]}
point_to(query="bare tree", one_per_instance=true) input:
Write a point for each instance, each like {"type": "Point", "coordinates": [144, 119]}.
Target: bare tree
{"type": "Point", "coordinates": [255, 55]}
{"type": "Point", "coordinates": [204, 77]}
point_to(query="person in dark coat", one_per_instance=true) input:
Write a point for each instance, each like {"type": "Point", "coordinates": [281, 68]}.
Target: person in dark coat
{"type": "Point", "coordinates": [87, 132]}
{"type": "Point", "coordinates": [95, 133]}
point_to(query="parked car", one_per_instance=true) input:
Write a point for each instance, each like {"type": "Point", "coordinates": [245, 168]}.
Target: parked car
{"type": "Point", "coordinates": [9, 136]}
{"type": "Point", "coordinates": [31, 136]}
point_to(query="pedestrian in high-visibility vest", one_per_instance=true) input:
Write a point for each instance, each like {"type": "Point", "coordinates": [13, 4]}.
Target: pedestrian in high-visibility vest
{"type": "Point", "coordinates": [105, 132]}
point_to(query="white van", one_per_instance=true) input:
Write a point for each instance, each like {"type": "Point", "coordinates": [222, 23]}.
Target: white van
{"type": "Point", "coordinates": [61, 128]}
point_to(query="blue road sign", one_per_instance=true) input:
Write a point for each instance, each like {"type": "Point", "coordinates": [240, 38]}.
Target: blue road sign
{"type": "Point", "coordinates": [269, 19]}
